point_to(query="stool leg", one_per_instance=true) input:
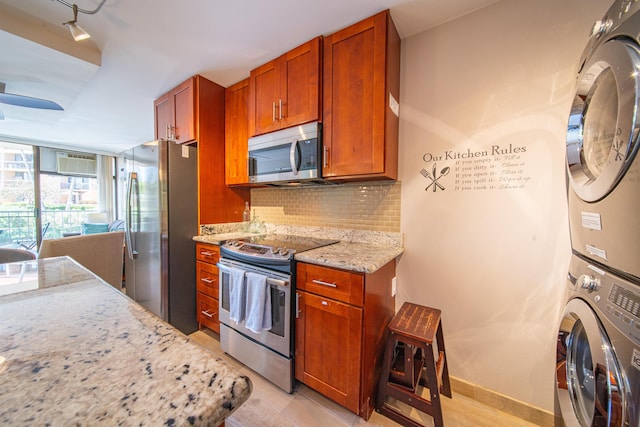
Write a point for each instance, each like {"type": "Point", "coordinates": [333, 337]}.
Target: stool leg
{"type": "Point", "coordinates": [446, 385]}
{"type": "Point", "coordinates": [434, 388]}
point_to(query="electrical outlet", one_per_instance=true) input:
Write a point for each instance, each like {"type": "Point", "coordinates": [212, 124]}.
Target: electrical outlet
{"type": "Point", "coordinates": [393, 287]}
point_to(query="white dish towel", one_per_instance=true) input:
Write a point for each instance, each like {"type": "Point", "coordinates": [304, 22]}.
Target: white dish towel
{"type": "Point", "coordinates": [258, 309]}
{"type": "Point", "coordinates": [236, 294]}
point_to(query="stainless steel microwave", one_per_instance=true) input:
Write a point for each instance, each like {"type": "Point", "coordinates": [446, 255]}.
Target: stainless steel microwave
{"type": "Point", "coordinates": [286, 156]}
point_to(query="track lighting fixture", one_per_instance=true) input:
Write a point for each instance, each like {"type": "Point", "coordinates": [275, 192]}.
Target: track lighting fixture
{"type": "Point", "coordinates": [76, 31]}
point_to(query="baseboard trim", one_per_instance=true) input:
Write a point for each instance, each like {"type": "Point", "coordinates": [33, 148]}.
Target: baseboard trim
{"type": "Point", "coordinates": [505, 403]}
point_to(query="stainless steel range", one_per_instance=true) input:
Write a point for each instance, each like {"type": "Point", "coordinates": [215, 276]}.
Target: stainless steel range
{"type": "Point", "coordinates": [257, 280]}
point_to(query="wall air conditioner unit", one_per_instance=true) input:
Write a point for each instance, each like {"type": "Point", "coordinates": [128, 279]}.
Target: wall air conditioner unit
{"type": "Point", "coordinates": [76, 164]}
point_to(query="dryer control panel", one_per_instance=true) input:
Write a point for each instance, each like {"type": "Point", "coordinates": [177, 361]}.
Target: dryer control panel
{"type": "Point", "coordinates": [615, 297]}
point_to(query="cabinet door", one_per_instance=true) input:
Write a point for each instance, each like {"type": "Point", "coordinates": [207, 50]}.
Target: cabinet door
{"type": "Point", "coordinates": [328, 348]}
{"type": "Point", "coordinates": [163, 112]}
{"type": "Point", "coordinates": [207, 279]}
{"type": "Point", "coordinates": [184, 111]}
{"type": "Point", "coordinates": [175, 113]}
{"type": "Point", "coordinates": [207, 253]}
{"type": "Point", "coordinates": [355, 132]}
{"type": "Point", "coordinates": [264, 99]}
{"type": "Point", "coordinates": [300, 85]}
{"type": "Point", "coordinates": [339, 285]}
{"type": "Point", "coordinates": [207, 312]}
{"type": "Point", "coordinates": [236, 133]}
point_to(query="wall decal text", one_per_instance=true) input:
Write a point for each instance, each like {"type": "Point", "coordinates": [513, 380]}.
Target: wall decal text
{"type": "Point", "coordinates": [499, 167]}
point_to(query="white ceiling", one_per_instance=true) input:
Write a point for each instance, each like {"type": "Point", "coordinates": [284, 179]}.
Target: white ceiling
{"type": "Point", "coordinates": [149, 46]}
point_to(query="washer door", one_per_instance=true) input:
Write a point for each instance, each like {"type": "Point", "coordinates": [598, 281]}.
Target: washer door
{"type": "Point", "coordinates": [603, 125]}
{"type": "Point", "coordinates": [588, 379]}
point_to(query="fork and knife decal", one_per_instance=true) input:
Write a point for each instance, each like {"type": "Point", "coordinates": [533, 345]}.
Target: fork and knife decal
{"type": "Point", "coordinates": [434, 177]}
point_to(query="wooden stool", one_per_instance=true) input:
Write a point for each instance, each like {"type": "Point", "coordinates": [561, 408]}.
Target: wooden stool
{"type": "Point", "coordinates": [409, 361]}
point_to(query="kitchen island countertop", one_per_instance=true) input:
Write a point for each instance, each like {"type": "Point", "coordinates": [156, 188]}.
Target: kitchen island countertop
{"type": "Point", "coordinates": [76, 351]}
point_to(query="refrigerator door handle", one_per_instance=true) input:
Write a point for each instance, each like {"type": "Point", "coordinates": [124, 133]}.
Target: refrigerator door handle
{"type": "Point", "coordinates": [133, 182]}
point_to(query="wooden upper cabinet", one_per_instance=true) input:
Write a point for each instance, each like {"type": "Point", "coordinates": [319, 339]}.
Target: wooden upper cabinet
{"type": "Point", "coordinates": [236, 133]}
{"type": "Point", "coordinates": [265, 99]}
{"type": "Point", "coordinates": [162, 112]}
{"type": "Point", "coordinates": [361, 74]}
{"type": "Point", "coordinates": [195, 112]}
{"type": "Point", "coordinates": [287, 91]}
{"type": "Point", "coordinates": [175, 113]}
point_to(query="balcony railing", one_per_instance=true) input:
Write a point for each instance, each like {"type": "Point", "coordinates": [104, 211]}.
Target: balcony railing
{"type": "Point", "coordinates": [19, 226]}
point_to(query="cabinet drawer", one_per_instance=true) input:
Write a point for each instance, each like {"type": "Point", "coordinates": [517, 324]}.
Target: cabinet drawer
{"type": "Point", "coordinates": [207, 314]}
{"type": "Point", "coordinates": [331, 283]}
{"type": "Point", "coordinates": [207, 279]}
{"type": "Point", "coordinates": [207, 253]}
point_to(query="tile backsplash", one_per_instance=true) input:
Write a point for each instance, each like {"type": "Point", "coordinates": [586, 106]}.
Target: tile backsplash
{"type": "Point", "coordinates": [371, 206]}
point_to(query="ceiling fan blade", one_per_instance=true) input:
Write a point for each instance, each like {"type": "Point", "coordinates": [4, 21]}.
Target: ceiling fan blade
{"type": "Point", "coordinates": [29, 102]}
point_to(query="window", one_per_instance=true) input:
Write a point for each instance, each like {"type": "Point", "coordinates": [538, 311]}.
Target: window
{"type": "Point", "coordinates": [74, 188]}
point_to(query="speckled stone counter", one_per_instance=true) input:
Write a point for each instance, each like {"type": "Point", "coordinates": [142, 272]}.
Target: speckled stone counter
{"type": "Point", "coordinates": [359, 257]}
{"type": "Point", "coordinates": [76, 351]}
{"type": "Point", "coordinates": [358, 250]}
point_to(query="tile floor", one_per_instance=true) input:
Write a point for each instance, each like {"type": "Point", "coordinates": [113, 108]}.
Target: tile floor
{"type": "Point", "coordinates": [269, 406]}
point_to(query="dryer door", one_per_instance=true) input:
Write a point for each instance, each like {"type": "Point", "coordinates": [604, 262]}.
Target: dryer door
{"type": "Point", "coordinates": [602, 134]}
{"type": "Point", "coordinates": [588, 379]}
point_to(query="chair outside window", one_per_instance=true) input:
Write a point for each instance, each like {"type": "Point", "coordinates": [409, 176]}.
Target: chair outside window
{"type": "Point", "coordinates": [31, 244]}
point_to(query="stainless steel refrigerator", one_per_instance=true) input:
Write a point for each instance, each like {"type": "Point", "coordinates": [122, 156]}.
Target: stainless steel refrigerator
{"type": "Point", "coordinates": [158, 198]}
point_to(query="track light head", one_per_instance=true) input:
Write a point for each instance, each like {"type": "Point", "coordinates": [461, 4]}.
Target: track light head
{"type": "Point", "coordinates": [76, 30]}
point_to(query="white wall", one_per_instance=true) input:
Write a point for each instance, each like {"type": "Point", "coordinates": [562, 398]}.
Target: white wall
{"type": "Point", "coordinates": [493, 260]}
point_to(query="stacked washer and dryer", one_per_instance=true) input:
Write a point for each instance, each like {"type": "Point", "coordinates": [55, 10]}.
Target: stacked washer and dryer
{"type": "Point", "coordinates": [598, 352]}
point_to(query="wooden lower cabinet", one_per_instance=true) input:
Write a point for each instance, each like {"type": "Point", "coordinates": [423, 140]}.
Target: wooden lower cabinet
{"type": "Point", "coordinates": [207, 294]}
{"type": "Point", "coordinates": [341, 332]}
{"type": "Point", "coordinates": [207, 312]}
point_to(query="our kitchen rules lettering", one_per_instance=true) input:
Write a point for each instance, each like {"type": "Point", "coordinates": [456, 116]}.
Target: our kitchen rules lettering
{"type": "Point", "coordinates": [495, 168]}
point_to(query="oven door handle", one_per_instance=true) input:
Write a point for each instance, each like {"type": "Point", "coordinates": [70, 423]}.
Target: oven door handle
{"type": "Point", "coordinates": [277, 282]}
{"type": "Point", "coordinates": [270, 280]}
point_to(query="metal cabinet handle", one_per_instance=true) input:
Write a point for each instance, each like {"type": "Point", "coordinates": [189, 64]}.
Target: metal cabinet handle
{"type": "Point", "coordinates": [325, 156]}
{"type": "Point", "coordinates": [273, 115]}
{"type": "Point", "coordinates": [280, 110]}
{"type": "Point", "coordinates": [206, 280]}
{"type": "Point", "coordinates": [297, 305]}
{"type": "Point", "coordinates": [320, 282]}
{"type": "Point", "coordinates": [208, 314]}
{"type": "Point", "coordinates": [206, 253]}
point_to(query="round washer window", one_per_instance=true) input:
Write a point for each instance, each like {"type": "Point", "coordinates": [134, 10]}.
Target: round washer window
{"type": "Point", "coordinates": [603, 125]}
{"type": "Point", "coordinates": [589, 382]}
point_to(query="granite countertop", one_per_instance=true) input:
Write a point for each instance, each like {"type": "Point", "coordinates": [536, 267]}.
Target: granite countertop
{"type": "Point", "coordinates": [359, 251]}
{"type": "Point", "coordinates": [76, 351]}
{"type": "Point", "coordinates": [353, 256]}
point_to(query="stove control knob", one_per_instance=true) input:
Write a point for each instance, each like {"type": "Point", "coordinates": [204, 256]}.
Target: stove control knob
{"type": "Point", "coordinates": [589, 283]}
{"type": "Point", "coordinates": [284, 252]}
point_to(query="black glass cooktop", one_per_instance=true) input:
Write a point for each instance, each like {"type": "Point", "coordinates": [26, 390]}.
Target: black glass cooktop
{"type": "Point", "coordinates": [296, 244]}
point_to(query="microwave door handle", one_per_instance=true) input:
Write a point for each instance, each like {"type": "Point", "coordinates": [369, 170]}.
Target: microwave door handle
{"type": "Point", "coordinates": [252, 166]}
{"type": "Point", "coordinates": [293, 156]}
